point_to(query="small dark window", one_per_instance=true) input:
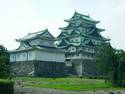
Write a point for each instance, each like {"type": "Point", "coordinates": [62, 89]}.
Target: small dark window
{"type": "Point", "coordinates": [29, 54]}
{"type": "Point", "coordinates": [13, 56]}
{"type": "Point", "coordinates": [18, 55]}
{"type": "Point", "coordinates": [78, 54]}
{"type": "Point", "coordinates": [23, 55]}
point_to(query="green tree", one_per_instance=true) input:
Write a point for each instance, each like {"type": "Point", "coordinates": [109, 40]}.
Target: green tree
{"type": "Point", "coordinates": [111, 63]}
{"type": "Point", "coordinates": [120, 69]}
{"type": "Point", "coordinates": [4, 62]}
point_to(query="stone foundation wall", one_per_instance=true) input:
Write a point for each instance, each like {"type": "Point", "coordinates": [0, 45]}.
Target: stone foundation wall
{"type": "Point", "coordinates": [89, 68]}
{"type": "Point", "coordinates": [43, 69]}
{"type": "Point", "coordinates": [54, 69]}
{"type": "Point", "coordinates": [50, 69]}
{"type": "Point", "coordinates": [85, 68]}
{"type": "Point", "coordinates": [22, 68]}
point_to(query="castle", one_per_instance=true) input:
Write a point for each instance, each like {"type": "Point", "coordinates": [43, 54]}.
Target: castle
{"type": "Point", "coordinates": [71, 53]}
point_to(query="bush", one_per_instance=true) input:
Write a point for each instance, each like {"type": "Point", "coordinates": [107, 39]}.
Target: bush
{"type": "Point", "coordinates": [93, 77]}
{"type": "Point", "coordinates": [6, 86]}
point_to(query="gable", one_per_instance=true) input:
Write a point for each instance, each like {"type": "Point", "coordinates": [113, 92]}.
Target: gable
{"type": "Point", "coordinates": [21, 47]}
{"type": "Point", "coordinates": [47, 34]}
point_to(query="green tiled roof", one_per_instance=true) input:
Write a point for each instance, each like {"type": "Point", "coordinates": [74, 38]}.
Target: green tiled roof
{"type": "Point", "coordinates": [74, 32]}
{"type": "Point", "coordinates": [82, 26]}
{"type": "Point", "coordinates": [77, 16]}
{"type": "Point", "coordinates": [63, 43]}
{"type": "Point", "coordinates": [90, 43]}
{"type": "Point", "coordinates": [62, 34]}
{"type": "Point", "coordinates": [100, 29]}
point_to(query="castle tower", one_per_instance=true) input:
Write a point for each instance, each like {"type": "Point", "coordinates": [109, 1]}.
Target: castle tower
{"type": "Point", "coordinates": [80, 39]}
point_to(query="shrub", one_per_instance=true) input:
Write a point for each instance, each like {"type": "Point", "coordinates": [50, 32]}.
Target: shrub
{"type": "Point", "coordinates": [6, 86]}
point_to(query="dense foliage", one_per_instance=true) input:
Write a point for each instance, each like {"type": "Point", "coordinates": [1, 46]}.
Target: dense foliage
{"type": "Point", "coordinates": [4, 62]}
{"type": "Point", "coordinates": [111, 63]}
{"type": "Point", "coordinates": [6, 87]}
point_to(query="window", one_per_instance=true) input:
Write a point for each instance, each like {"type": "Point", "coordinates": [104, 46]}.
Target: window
{"type": "Point", "coordinates": [29, 54]}
{"type": "Point", "coordinates": [78, 54]}
{"type": "Point", "coordinates": [88, 49]}
{"type": "Point", "coordinates": [18, 55]}
{"type": "Point", "coordinates": [76, 40]}
{"type": "Point", "coordinates": [24, 55]}
{"type": "Point", "coordinates": [12, 56]}
{"type": "Point", "coordinates": [88, 55]}
{"type": "Point", "coordinates": [69, 50]}
{"type": "Point", "coordinates": [73, 49]}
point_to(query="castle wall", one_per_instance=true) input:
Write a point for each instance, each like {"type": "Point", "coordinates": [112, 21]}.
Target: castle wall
{"type": "Point", "coordinates": [50, 69]}
{"type": "Point", "coordinates": [22, 68]}
{"type": "Point", "coordinates": [50, 56]}
{"type": "Point", "coordinates": [38, 68]}
{"type": "Point", "coordinates": [89, 68]}
{"type": "Point", "coordinates": [23, 56]}
{"type": "Point", "coordinates": [84, 68]}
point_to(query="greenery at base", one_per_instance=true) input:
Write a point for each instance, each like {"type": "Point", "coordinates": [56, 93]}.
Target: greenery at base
{"type": "Point", "coordinates": [77, 84]}
{"type": "Point", "coordinates": [111, 63]}
{"type": "Point", "coordinates": [4, 63]}
{"type": "Point", "coordinates": [6, 86]}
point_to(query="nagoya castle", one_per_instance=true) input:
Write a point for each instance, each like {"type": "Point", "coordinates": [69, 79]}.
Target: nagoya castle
{"type": "Point", "coordinates": [70, 54]}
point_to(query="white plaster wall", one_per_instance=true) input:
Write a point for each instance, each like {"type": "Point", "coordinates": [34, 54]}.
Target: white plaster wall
{"type": "Point", "coordinates": [91, 50]}
{"type": "Point", "coordinates": [23, 56]}
{"type": "Point", "coordinates": [37, 55]}
{"type": "Point", "coordinates": [50, 56]}
{"type": "Point", "coordinates": [12, 57]}
{"type": "Point", "coordinates": [72, 49]}
{"type": "Point", "coordinates": [31, 55]}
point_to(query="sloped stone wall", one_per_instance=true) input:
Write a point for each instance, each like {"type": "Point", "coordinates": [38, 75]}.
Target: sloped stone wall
{"type": "Point", "coordinates": [43, 69]}
{"type": "Point", "coordinates": [83, 68]}
{"type": "Point", "coordinates": [54, 69]}
{"type": "Point", "coordinates": [22, 68]}
{"type": "Point", "coordinates": [50, 69]}
{"type": "Point", "coordinates": [89, 68]}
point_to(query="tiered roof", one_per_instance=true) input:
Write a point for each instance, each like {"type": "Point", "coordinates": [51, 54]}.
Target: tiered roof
{"type": "Point", "coordinates": [25, 45]}
{"type": "Point", "coordinates": [80, 25]}
{"type": "Point", "coordinates": [78, 16]}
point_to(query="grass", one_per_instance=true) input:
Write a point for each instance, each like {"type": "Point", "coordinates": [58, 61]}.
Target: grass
{"type": "Point", "coordinates": [5, 81]}
{"type": "Point", "coordinates": [76, 84]}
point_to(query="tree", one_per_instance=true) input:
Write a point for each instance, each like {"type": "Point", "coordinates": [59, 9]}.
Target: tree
{"type": "Point", "coordinates": [120, 69]}
{"type": "Point", "coordinates": [111, 63]}
{"type": "Point", "coordinates": [4, 62]}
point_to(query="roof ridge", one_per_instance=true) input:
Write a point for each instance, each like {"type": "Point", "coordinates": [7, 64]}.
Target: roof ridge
{"type": "Point", "coordinates": [39, 31]}
{"type": "Point", "coordinates": [81, 14]}
{"type": "Point", "coordinates": [31, 35]}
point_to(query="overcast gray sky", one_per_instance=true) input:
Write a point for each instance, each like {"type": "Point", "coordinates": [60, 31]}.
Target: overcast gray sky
{"type": "Point", "coordinates": [19, 17]}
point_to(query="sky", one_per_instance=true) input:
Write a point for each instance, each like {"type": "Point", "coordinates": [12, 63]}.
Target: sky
{"type": "Point", "coordinates": [20, 17]}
